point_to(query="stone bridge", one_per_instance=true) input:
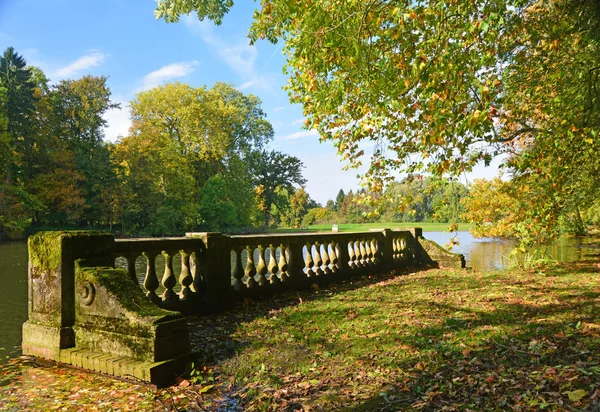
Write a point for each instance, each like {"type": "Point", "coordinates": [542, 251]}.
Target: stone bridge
{"type": "Point", "coordinates": [85, 312]}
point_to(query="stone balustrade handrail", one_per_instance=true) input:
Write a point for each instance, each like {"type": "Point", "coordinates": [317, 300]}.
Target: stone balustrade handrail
{"type": "Point", "coordinates": [85, 312]}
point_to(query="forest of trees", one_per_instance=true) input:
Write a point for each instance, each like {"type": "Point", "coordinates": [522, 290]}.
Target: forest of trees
{"type": "Point", "coordinates": [409, 200]}
{"type": "Point", "coordinates": [438, 87]}
{"type": "Point", "coordinates": [194, 158]}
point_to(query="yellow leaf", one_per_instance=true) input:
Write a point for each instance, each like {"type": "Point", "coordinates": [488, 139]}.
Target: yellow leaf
{"type": "Point", "coordinates": [206, 388]}
{"type": "Point", "coordinates": [576, 396]}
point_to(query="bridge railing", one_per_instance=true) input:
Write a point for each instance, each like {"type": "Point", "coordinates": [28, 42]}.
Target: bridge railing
{"type": "Point", "coordinates": [168, 289]}
{"type": "Point", "coordinates": [85, 312]}
{"type": "Point", "coordinates": [216, 270]}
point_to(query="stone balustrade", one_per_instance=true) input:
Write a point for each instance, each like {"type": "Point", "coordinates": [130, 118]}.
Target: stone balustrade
{"type": "Point", "coordinates": [84, 312]}
{"type": "Point", "coordinates": [169, 290]}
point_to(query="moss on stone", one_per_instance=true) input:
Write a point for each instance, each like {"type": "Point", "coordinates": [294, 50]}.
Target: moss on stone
{"type": "Point", "coordinates": [45, 248]}
{"type": "Point", "coordinates": [45, 251]}
{"type": "Point", "coordinates": [118, 283]}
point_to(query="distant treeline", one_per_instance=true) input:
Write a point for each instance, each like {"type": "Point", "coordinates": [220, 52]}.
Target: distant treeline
{"type": "Point", "coordinates": [421, 199]}
{"type": "Point", "coordinates": [194, 158]}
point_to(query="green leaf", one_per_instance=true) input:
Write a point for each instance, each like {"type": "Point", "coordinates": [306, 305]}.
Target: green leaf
{"type": "Point", "coordinates": [577, 395]}
{"type": "Point", "coordinates": [206, 388]}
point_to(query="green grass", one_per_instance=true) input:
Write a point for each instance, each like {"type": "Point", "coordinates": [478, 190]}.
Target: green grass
{"type": "Point", "coordinates": [431, 340]}
{"type": "Point", "coordinates": [363, 227]}
{"type": "Point", "coordinates": [359, 227]}
{"type": "Point", "coordinates": [462, 340]}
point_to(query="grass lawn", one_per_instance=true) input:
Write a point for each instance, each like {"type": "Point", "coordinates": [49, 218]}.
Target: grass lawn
{"type": "Point", "coordinates": [430, 340]}
{"type": "Point", "coordinates": [363, 227]}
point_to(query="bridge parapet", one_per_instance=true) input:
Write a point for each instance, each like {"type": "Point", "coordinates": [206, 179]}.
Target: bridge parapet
{"type": "Point", "coordinates": [84, 311]}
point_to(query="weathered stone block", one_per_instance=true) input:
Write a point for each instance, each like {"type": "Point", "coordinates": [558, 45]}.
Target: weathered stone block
{"type": "Point", "coordinates": [85, 313]}
{"type": "Point", "coordinates": [51, 287]}
{"type": "Point", "coordinates": [434, 253]}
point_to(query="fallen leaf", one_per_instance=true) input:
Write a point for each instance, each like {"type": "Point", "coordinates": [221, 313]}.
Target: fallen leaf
{"type": "Point", "coordinates": [575, 396]}
{"type": "Point", "coordinates": [206, 388]}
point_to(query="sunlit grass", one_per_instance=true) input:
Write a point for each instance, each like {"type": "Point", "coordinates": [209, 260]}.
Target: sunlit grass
{"type": "Point", "coordinates": [459, 340]}
{"type": "Point", "coordinates": [360, 227]}
{"type": "Point", "coordinates": [430, 339]}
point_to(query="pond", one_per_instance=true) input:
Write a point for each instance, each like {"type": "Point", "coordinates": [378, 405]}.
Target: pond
{"type": "Point", "coordinates": [481, 254]}
{"type": "Point", "coordinates": [489, 254]}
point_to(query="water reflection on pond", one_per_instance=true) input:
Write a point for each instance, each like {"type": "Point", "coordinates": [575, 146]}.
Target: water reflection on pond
{"type": "Point", "coordinates": [489, 253]}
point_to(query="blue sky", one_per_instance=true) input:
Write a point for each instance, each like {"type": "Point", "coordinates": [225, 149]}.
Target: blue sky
{"type": "Point", "coordinates": [121, 39]}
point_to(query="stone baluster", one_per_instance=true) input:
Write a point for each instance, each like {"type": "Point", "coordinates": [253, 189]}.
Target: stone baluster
{"type": "Point", "coordinates": [363, 253]}
{"type": "Point", "coordinates": [358, 253]}
{"type": "Point", "coordinates": [352, 255]}
{"type": "Point", "coordinates": [185, 277]}
{"type": "Point", "coordinates": [198, 268]}
{"type": "Point", "coordinates": [273, 268]}
{"type": "Point", "coordinates": [131, 258]}
{"type": "Point", "coordinates": [326, 259]}
{"type": "Point", "coordinates": [318, 259]}
{"type": "Point", "coordinates": [250, 268]}
{"type": "Point", "coordinates": [168, 279]}
{"type": "Point", "coordinates": [238, 270]}
{"type": "Point", "coordinates": [333, 257]}
{"type": "Point", "coordinates": [396, 249]}
{"type": "Point", "coordinates": [368, 256]}
{"type": "Point", "coordinates": [283, 264]}
{"type": "Point", "coordinates": [151, 280]}
{"type": "Point", "coordinates": [375, 250]}
{"type": "Point", "coordinates": [308, 260]}
{"type": "Point", "coordinates": [402, 249]}
{"type": "Point", "coordinates": [261, 268]}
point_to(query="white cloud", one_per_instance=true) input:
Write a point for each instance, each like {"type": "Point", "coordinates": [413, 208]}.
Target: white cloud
{"type": "Point", "coordinates": [93, 59]}
{"type": "Point", "coordinates": [171, 71]}
{"type": "Point", "coordinates": [118, 122]}
{"type": "Point", "coordinates": [238, 55]}
{"type": "Point", "coordinates": [278, 109]}
{"type": "Point", "coordinates": [301, 135]}
{"type": "Point", "coordinates": [298, 121]}
{"type": "Point", "coordinates": [246, 85]}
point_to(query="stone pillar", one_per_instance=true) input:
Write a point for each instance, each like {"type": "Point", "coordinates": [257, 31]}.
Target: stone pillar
{"type": "Point", "coordinates": [417, 232]}
{"type": "Point", "coordinates": [387, 248]}
{"type": "Point", "coordinates": [217, 274]}
{"type": "Point", "coordinates": [417, 253]}
{"type": "Point", "coordinates": [296, 263]}
{"type": "Point", "coordinates": [343, 257]}
{"type": "Point", "coordinates": [51, 276]}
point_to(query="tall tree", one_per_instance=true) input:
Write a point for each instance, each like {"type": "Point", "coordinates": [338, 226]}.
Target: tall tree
{"type": "Point", "coordinates": [250, 130]}
{"type": "Point", "coordinates": [17, 107]}
{"type": "Point", "coordinates": [439, 86]}
{"type": "Point", "coordinates": [181, 137]}
{"type": "Point", "coordinates": [339, 199]}
{"type": "Point", "coordinates": [79, 107]}
{"type": "Point", "coordinates": [271, 171]}
{"type": "Point", "coordinates": [17, 103]}
{"type": "Point", "coordinates": [216, 208]}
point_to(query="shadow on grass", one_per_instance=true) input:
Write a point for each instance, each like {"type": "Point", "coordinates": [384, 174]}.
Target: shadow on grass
{"type": "Point", "coordinates": [532, 349]}
{"type": "Point", "coordinates": [211, 335]}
